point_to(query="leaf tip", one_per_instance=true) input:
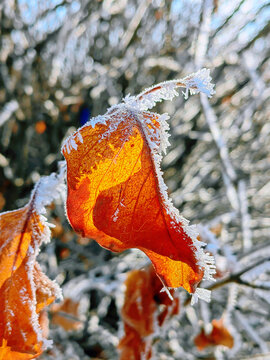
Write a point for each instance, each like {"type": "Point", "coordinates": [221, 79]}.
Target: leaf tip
{"type": "Point", "coordinates": [199, 81]}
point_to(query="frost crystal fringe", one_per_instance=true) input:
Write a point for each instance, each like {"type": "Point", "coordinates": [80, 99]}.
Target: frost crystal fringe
{"type": "Point", "coordinates": [200, 293]}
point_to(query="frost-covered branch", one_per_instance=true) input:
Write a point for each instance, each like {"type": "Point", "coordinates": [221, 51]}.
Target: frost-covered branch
{"type": "Point", "coordinates": [251, 332]}
{"type": "Point", "coordinates": [236, 278]}
{"type": "Point", "coordinates": [204, 33]}
{"type": "Point", "coordinates": [135, 22]}
{"type": "Point", "coordinates": [202, 44]}
{"type": "Point", "coordinates": [245, 216]}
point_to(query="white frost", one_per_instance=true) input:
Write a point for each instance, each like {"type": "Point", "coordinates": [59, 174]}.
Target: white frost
{"type": "Point", "coordinates": [199, 82]}
{"type": "Point", "coordinates": [48, 189]}
{"type": "Point", "coordinates": [167, 291]}
{"type": "Point", "coordinates": [200, 293]}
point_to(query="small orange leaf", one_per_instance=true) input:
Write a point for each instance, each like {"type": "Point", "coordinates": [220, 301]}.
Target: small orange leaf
{"type": "Point", "coordinates": [139, 307]}
{"type": "Point", "coordinates": [40, 127]}
{"type": "Point", "coordinates": [144, 304]}
{"type": "Point", "coordinates": [64, 253]}
{"type": "Point", "coordinates": [116, 193]}
{"type": "Point", "coordinates": [218, 336]}
{"type": "Point", "coordinates": [25, 290]}
{"type": "Point", "coordinates": [66, 315]}
{"type": "Point", "coordinates": [133, 346]}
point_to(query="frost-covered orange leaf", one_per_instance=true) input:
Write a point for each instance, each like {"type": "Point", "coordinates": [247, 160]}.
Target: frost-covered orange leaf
{"type": "Point", "coordinates": [24, 289]}
{"type": "Point", "coordinates": [218, 336]}
{"type": "Point", "coordinates": [116, 193]}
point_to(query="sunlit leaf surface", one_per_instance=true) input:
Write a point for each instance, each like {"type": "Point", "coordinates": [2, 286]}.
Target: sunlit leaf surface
{"type": "Point", "coordinates": [116, 193]}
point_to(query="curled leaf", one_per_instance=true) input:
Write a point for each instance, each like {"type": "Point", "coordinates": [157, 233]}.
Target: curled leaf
{"type": "Point", "coordinates": [116, 193]}
{"type": "Point", "coordinates": [25, 290]}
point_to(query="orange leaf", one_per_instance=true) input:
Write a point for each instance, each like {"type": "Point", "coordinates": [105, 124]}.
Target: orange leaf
{"type": "Point", "coordinates": [133, 346]}
{"type": "Point", "coordinates": [40, 127]}
{"type": "Point", "coordinates": [25, 290]}
{"type": "Point", "coordinates": [116, 193]}
{"type": "Point", "coordinates": [139, 307]}
{"type": "Point", "coordinates": [218, 336]}
{"type": "Point", "coordinates": [169, 307]}
{"type": "Point", "coordinates": [66, 315]}
{"type": "Point", "coordinates": [7, 354]}
{"type": "Point", "coordinates": [140, 312]}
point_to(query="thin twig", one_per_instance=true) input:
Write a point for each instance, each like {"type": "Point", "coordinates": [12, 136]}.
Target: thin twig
{"type": "Point", "coordinates": [245, 216]}
{"type": "Point", "coordinates": [135, 22]}
{"type": "Point", "coordinates": [236, 278]}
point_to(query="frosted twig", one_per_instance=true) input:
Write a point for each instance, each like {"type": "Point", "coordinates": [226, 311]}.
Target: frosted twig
{"type": "Point", "coordinates": [259, 96]}
{"type": "Point", "coordinates": [253, 285]}
{"type": "Point", "coordinates": [164, 62]}
{"type": "Point", "coordinates": [204, 32]}
{"type": "Point", "coordinates": [236, 277]}
{"type": "Point", "coordinates": [212, 122]}
{"type": "Point", "coordinates": [256, 251]}
{"type": "Point", "coordinates": [135, 22]}
{"type": "Point", "coordinates": [251, 64]}
{"type": "Point", "coordinates": [198, 82]}
{"type": "Point", "coordinates": [231, 302]}
{"type": "Point", "coordinates": [251, 332]}
{"type": "Point", "coordinates": [245, 217]}
{"type": "Point", "coordinates": [227, 315]}
{"type": "Point", "coordinates": [210, 116]}
{"type": "Point", "coordinates": [205, 313]}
